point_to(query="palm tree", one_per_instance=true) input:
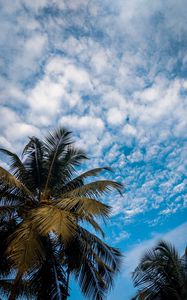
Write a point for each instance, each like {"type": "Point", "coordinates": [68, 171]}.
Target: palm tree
{"type": "Point", "coordinates": [161, 274]}
{"type": "Point", "coordinates": [44, 206]}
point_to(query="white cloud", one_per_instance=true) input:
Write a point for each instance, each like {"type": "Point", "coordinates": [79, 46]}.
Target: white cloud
{"type": "Point", "coordinates": [115, 116]}
{"type": "Point", "coordinates": [20, 131]}
{"type": "Point", "coordinates": [129, 130]}
{"type": "Point", "coordinates": [106, 74]}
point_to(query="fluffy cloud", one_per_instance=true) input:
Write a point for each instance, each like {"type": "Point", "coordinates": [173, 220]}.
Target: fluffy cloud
{"type": "Point", "coordinates": [114, 75]}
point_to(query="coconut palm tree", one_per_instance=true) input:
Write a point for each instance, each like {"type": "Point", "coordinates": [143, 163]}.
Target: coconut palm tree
{"type": "Point", "coordinates": [161, 274]}
{"type": "Point", "coordinates": [44, 208]}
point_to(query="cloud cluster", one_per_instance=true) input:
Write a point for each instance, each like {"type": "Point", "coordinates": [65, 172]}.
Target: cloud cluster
{"type": "Point", "coordinates": [114, 73]}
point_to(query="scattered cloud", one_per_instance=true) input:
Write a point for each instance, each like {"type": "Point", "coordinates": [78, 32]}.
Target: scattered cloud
{"type": "Point", "coordinates": [115, 74]}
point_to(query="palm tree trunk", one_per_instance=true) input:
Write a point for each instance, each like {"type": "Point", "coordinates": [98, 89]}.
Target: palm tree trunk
{"type": "Point", "coordinates": [14, 289]}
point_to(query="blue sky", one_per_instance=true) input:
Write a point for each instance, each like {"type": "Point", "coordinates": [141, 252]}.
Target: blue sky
{"type": "Point", "coordinates": [115, 73]}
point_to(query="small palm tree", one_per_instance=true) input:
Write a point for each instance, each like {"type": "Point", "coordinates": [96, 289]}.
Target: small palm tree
{"type": "Point", "coordinates": [44, 206]}
{"type": "Point", "coordinates": [161, 274]}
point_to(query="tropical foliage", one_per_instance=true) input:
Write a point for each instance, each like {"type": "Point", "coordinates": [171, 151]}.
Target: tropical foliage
{"type": "Point", "coordinates": [44, 208]}
{"type": "Point", "coordinates": [161, 274]}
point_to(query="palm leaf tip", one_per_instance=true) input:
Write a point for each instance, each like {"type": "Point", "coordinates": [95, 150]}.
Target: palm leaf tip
{"type": "Point", "coordinates": [7, 178]}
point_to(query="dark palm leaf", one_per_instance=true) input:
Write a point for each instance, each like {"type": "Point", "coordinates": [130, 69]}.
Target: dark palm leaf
{"type": "Point", "coordinates": [64, 168]}
{"type": "Point", "coordinates": [17, 167]}
{"type": "Point", "coordinates": [55, 144]}
{"type": "Point", "coordinates": [160, 274]}
{"type": "Point", "coordinates": [79, 180]}
{"type": "Point", "coordinates": [34, 164]}
{"type": "Point", "coordinates": [7, 227]}
{"type": "Point", "coordinates": [49, 280]}
{"type": "Point", "coordinates": [24, 289]}
{"type": "Point", "coordinates": [93, 262]}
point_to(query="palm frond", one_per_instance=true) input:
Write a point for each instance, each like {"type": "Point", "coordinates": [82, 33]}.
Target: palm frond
{"type": "Point", "coordinates": [7, 227]}
{"type": "Point", "coordinates": [64, 168]}
{"type": "Point", "coordinates": [91, 283]}
{"type": "Point", "coordinates": [55, 143]}
{"type": "Point", "coordinates": [48, 219]}
{"type": "Point", "coordinates": [95, 263]}
{"type": "Point", "coordinates": [7, 210]}
{"type": "Point", "coordinates": [94, 189]}
{"type": "Point", "coordinates": [160, 273]}
{"type": "Point", "coordinates": [34, 164]}
{"type": "Point", "coordinates": [11, 194]}
{"type": "Point", "coordinates": [110, 255]}
{"type": "Point", "coordinates": [88, 206]}
{"type": "Point", "coordinates": [78, 181]}
{"type": "Point", "coordinates": [49, 280]}
{"type": "Point", "coordinates": [24, 289]}
{"type": "Point", "coordinates": [25, 249]}
{"type": "Point", "coordinates": [11, 181]}
{"type": "Point", "coordinates": [17, 167]}
{"type": "Point", "coordinates": [91, 221]}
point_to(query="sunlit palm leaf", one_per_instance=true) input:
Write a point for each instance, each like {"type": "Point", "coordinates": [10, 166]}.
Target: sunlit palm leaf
{"type": "Point", "coordinates": [51, 219]}
{"type": "Point", "coordinates": [84, 204]}
{"type": "Point", "coordinates": [94, 189]}
{"type": "Point", "coordinates": [25, 248]}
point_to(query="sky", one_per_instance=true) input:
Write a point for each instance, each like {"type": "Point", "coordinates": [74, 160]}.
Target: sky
{"type": "Point", "coordinates": [115, 73]}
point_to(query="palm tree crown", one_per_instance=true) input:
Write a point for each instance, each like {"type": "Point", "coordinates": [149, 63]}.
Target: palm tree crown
{"type": "Point", "coordinates": [161, 274]}
{"type": "Point", "coordinates": [44, 206]}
